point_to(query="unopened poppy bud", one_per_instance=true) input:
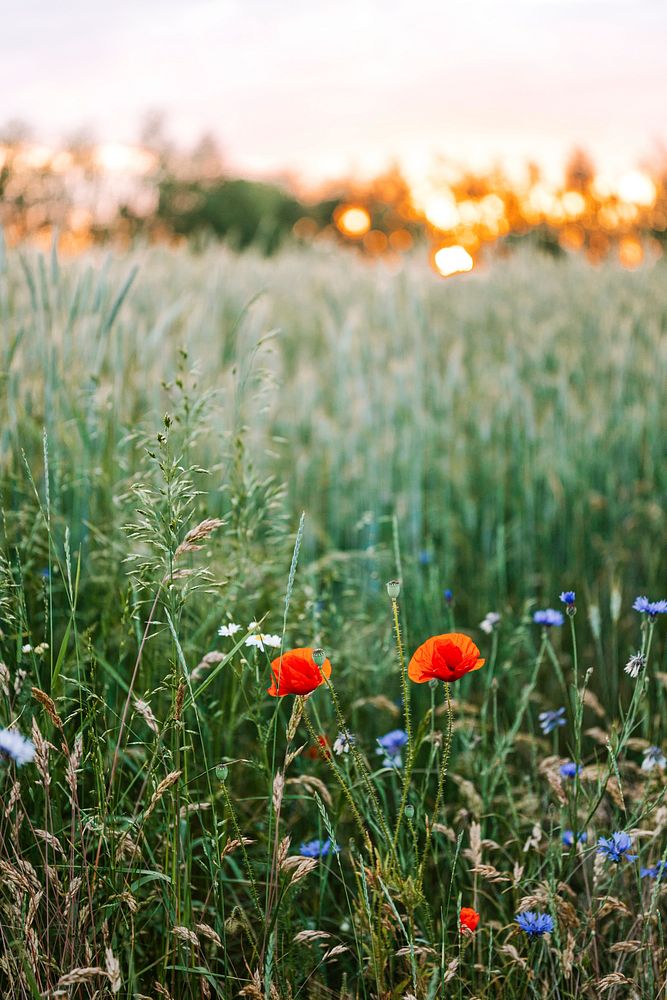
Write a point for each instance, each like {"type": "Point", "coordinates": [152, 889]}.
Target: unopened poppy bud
{"type": "Point", "coordinates": [319, 656]}
{"type": "Point", "coordinates": [394, 589]}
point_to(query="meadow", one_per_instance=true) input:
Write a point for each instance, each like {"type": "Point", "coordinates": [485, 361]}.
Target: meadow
{"type": "Point", "coordinates": [208, 460]}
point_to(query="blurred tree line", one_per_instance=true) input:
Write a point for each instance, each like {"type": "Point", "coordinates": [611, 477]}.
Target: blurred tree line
{"type": "Point", "coordinates": [87, 192]}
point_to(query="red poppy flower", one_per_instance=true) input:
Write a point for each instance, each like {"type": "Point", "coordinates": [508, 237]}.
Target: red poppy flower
{"type": "Point", "coordinates": [296, 672]}
{"type": "Point", "coordinates": [468, 919]}
{"type": "Point", "coordinates": [444, 658]}
{"type": "Point", "coordinates": [314, 753]}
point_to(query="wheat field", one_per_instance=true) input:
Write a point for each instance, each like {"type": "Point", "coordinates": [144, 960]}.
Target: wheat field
{"type": "Point", "coordinates": [208, 460]}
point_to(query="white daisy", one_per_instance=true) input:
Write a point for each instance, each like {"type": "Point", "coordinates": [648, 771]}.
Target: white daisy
{"type": "Point", "coordinates": [261, 640]}
{"type": "Point", "coordinates": [231, 628]}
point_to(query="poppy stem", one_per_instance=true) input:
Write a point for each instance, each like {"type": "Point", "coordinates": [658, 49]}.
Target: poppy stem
{"type": "Point", "coordinates": [326, 757]}
{"type": "Point", "coordinates": [359, 761]}
{"type": "Point", "coordinates": [442, 775]}
{"type": "Point", "coordinates": [404, 674]}
{"type": "Point", "coordinates": [408, 721]}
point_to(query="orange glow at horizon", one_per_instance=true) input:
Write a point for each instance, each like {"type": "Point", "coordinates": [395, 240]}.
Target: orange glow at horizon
{"type": "Point", "coordinates": [637, 188]}
{"type": "Point", "coordinates": [442, 212]}
{"type": "Point", "coordinates": [457, 215]}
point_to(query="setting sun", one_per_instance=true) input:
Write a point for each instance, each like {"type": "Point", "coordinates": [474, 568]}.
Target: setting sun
{"type": "Point", "coordinates": [353, 220]}
{"type": "Point", "coordinates": [452, 260]}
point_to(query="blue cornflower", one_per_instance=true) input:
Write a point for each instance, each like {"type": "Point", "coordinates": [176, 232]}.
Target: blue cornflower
{"type": "Point", "coordinates": [570, 769]}
{"type": "Point", "coordinates": [568, 838]}
{"type": "Point", "coordinates": [568, 597]}
{"type": "Point", "coordinates": [390, 746]}
{"type": "Point", "coordinates": [650, 608]}
{"type": "Point", "coordinates": [535, 924]}
{"type": "Point", "coordinates": [616, 847]}
{"type": "Point", "coordinates": [424, 557]}
{"type": "Point", "coordinates": [653, 757]}
{"type": "Point", "coordinates": [548, 617]}
{"type": "Point", "coordinates": [15, 747]}
{"type": "Point", "coordinates": [448, 595]}
{"type": "Point", "coordinates": [658, 870]}
{"type": "Point", "coordinates": [318, 848]}
{"type": "Point", "coordinates": [550, 720]}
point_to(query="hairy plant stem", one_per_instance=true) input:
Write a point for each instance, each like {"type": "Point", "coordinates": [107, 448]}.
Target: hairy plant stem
{"type": "Point", "coordinates": [409, 764]}
{"type": "Point", "coordinates": [361, 767]}
{"type": "Point", "coordinates": [326, 757]}
{"type": "Point", "coordinates": [442, 776]}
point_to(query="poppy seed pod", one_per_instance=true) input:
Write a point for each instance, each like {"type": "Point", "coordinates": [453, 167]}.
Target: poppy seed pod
{"type": "Point", "coordinates": [319, 656]}
{"type": "Point", "coordinates": [394, 589]}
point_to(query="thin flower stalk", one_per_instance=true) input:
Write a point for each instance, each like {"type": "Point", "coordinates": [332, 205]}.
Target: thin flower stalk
{"type": "Point", "coordinates": [442, 776]}
{"type": "Point", "coordinates": [328, 760]}
{"type": "Point", "coordinates": [407, 774]}
{"type": "Point", "coordinates": [360, 764]}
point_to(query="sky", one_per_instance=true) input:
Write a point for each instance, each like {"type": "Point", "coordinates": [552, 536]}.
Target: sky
{"type": "Point", "coordinates": [321, 88]}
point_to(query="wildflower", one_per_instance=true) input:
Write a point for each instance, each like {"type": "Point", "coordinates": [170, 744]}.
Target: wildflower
{"type": "Point", "coordinates": [650, 608]}
{"type": "Point", "coordinates": [314, 753]}
{"type": "Point", "coordinates": [568, 597]}
{"type": "Point", "coordinates": [444, 657]}
{"type": "Point", "coordinates": [27, 648]}
{"type": "Point", "coordinates": [295, 672]}
{"type": "Point", "coordinates": [424, 557]}
{"type": "Point", "coordinates": [551, 720]}
{"type": "Point", "coordinates": [390, 746]}
{"type": "Point", "coordinates": [318, 848]}
{"type": "Point", "coordinates": [548, 617]}
{"type": "Point", "coordinates": [636, 663]}
{"type": "Point", "coordinates": [655, 871]}
{"type": "Point", "coordinates": [261, 641]}
{"type": "Point", "coordinates": [616, 847]}
{"type": "Point", "coordinates": [448, 595]}
{"type": "Point", "coordinates": [535, 924]}
{"type": "Point", "coordinates": [653, 757]}
{"type": "Point", "coordinates": [231, 628]}
{"type": "Point", "coordinates": [468, 919]}
{"type": "Point", "coordinates": [343, 742]}
{"type": "Point", "coordinates": [15, 747]}
{"type": "Point", "coordinates": [569, 769]}
{"type": "Point", "coordinates": [490, 622]}
{"type": "Point", "coordinates": [568, 838]}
